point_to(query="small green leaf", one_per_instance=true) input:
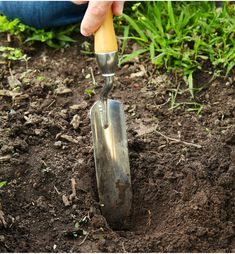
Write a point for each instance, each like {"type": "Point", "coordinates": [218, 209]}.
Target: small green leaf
{"type": "Point", "coordinates": [3, 183]}
{"type": "Point", "coordinates": [89, 92]}
{"type": "Point", "coordinates": [40, 78]}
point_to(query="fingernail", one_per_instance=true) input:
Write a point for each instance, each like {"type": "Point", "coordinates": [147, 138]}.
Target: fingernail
{"type": "Point", "coordinates": [84, 32]}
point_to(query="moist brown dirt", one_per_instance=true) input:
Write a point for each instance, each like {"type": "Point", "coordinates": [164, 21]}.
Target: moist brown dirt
{"type": "Point", "coordinates": [182, 164]}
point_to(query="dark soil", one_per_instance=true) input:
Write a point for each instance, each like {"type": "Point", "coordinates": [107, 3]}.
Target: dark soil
{"type": "Point", "coordinates": [182, 165]}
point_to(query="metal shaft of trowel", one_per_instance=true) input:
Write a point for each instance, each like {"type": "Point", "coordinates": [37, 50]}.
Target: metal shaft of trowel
{"type": "Point", "coordinates": [107, 63]}
{"type": "Point", "coordinates": [107, 58]}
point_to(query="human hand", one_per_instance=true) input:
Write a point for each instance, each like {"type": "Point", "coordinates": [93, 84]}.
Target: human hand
{"type": "Point", "coordinates": [96, 12]}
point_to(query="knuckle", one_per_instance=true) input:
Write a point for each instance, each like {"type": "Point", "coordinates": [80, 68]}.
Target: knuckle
{"type": "Point", "coordinates": [97, 11]}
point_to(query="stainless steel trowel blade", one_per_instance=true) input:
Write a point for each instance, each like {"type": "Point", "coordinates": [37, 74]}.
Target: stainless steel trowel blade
{"type": "Point", "coordinates": [112, 163]}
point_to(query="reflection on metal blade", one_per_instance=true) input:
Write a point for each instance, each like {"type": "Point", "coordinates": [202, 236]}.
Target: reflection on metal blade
{"type": "Point", "coordinates": [112, 163]}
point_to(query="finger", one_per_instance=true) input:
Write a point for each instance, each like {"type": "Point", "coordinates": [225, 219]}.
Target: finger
{"type": "Point", "coordinates": [118, 7]}
{"type": "Point", "coordinates": [94, 16]}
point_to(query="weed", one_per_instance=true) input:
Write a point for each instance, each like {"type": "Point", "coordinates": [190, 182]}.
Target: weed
{"type": "Point", "coordinates": [89, 92]}
{"type": "Point", "coordinates": [194, 107]}
{"type": "Point", "coordinates": [3, 183]}
{"type": "Point", "coordinates": [173, 94]}
{"type": "Point", "coordinates": [78, 230]}
{"type": "Point", "coordinates": [182, 37]}
{"type": "Point", "coordinates": [14, 54]}
{"type": "Point", "coordinates": [190, 106]}
{"type": "Point", "coordinates": [55, 38]}
{"type": "Point", "coordinates": [86, 48]}
{"type": "Point", "coordinates": [41, 78]}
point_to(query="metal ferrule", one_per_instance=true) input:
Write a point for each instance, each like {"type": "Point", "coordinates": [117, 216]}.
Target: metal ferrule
{"type": "Point", "coordinates": [107, 62]}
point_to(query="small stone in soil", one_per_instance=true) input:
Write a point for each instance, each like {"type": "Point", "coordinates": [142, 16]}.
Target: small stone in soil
{"type": "Point", "coordinates": [12, 112]}
{"type": "Point", "coordinates": [66, 201]}
{"type": "Point", "coordinates": [5, 158]}
{"type": "Point", "coordinates": [62, 90]}
{"type": "Point", "coordinates": [37, 131]}
{"type": "Point", "coordinates": [76, 121]}
{"type": "Point", "coordinates": [58, 144]}
{"type": "Point", "coordinates": [70, 138]}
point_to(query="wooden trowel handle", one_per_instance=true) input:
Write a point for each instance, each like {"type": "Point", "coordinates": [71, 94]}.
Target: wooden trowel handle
{"type": "Point", "coordinates": [105, 38]}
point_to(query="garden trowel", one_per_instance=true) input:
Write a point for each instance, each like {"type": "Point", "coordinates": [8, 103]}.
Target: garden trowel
{"type": "Point", "coordinates": [109, 136]}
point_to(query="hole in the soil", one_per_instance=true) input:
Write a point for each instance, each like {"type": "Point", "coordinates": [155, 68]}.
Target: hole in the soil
{"type": "Point", "coordinates": [120, 227]}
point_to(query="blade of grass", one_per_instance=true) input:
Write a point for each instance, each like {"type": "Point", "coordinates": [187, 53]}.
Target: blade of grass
{"type": "Point", "coordinates": [171, 14]}
{"type": "Point", "coordinates": [128, 57]}
{"type": "Point", "coordinates": [136, 27]}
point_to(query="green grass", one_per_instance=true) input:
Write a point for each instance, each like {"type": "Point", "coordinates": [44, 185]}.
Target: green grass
{"type": "Point", "coordinates": [182, 37]}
